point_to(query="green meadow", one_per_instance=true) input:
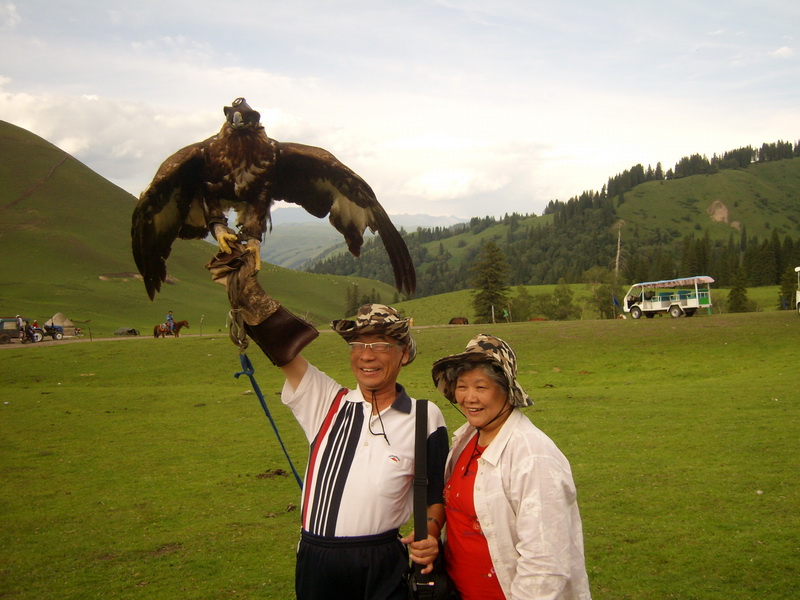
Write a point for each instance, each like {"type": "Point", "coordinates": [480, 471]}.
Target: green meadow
{"type": "Point", "coordinates": [142, 468]}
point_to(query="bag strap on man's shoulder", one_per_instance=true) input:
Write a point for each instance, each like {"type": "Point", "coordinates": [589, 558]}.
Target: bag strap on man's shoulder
{"type": "Point", "coordinates": [423, 584]}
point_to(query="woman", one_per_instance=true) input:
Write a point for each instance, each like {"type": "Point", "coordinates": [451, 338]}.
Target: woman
{"type": "Point", "coordinates": [513, 527]}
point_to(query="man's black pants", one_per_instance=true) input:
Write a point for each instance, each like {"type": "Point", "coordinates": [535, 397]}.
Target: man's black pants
{"type": "Point", "coordinates": [351, 568]}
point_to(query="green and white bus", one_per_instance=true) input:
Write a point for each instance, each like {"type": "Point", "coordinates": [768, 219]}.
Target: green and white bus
{"type": "Point", "coordinates": [676, 297]}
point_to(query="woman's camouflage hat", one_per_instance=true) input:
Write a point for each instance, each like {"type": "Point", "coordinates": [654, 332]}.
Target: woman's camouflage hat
{"type": "Point", "coordinates": [483, 348]}
{"type": "Point", "coordinates": [378, 318]}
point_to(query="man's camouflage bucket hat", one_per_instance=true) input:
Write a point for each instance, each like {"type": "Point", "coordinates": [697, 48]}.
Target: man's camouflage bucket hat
{"type": "Point", "coordinates": [483, 348]}
{"type": "Point", "coordinates": [378, 318]}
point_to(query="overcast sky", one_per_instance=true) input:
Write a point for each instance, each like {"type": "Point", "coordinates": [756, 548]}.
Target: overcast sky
{"type": "Point", "coordinates": [446, 107]}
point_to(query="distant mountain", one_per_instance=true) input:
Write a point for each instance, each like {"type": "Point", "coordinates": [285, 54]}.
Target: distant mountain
{"type": "Point", "coordinates": [300, 239]}
{"type": "Point", "coordinates": [286, 214]}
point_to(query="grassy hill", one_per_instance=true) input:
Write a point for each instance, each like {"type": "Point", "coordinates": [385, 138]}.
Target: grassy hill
{"type": "Point", "coordinates": [659, 220]}
{"type": "Point", "coordinates": [294, 244]}
{"type": "Point", "coordinates": [764, 197]}
{"type": "Point", "coordinates": [65, 247]}
{"type": "Point", "coordinates": [300, 239]}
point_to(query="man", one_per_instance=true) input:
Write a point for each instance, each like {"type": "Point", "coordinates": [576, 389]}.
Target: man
{"type": "Point", "coordinates": [358, 483]}
{"type": "Point", "coordinates": [170, 320]}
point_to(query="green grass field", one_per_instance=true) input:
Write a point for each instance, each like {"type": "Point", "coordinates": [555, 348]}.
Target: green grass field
{"type": "Point", "coordinates": [142, 468]}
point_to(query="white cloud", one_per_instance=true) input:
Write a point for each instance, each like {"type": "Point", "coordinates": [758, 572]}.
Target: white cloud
{"type": "Point", "coordinates": [450, 184]}
{"type": "Point", "coordinates": [444, 107]}
{"type": "Point", "coordinates": [73, 145]}
{"type": "Point", "coordinates": [783, 52]}
{"type": "Point", "coordinates": [9, 16]}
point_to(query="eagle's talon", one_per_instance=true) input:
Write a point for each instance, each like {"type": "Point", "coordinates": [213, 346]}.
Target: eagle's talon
{"type": "Point", "coordinates": [254, 246]}
{"type": "Point", "coordinates": [223, 238]}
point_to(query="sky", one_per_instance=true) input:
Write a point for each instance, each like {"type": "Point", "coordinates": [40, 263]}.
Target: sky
{"type": "Point", "coordinates": [445, 107]}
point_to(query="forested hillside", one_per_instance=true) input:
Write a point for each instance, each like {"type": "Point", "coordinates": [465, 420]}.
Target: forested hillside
{"type": "Point", "coordinates": [704, 216]}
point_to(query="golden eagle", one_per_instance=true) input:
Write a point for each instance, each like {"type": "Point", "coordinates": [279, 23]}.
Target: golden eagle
{"type": "Point", "coordinates": [243, 169]}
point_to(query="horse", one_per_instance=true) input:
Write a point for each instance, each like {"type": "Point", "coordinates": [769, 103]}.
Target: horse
{"type": "Point", "coordinates": [459, 321]}
{"type": "Point", "coordinates": [162, 329]}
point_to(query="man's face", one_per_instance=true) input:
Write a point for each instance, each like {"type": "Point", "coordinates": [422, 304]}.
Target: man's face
{"type": "Point", "coordinates": [377, 371]}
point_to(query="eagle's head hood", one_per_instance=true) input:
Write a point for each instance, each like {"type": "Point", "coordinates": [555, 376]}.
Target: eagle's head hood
{"type": "Point", "coordinates": [240, 115]}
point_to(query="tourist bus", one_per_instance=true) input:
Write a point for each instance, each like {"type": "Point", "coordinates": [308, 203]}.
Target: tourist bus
{"type": "Point", "coordinates": [676, 297]}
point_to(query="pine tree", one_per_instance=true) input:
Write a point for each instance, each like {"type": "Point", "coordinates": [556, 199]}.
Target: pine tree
{"type": "Point", "coordinates": [562, 302]}
{"type": "Point", "coordinates": [351, 302]}
{"type": "Point", "coordinates": [490, 273]}
{"type": "Point", "coordinates": [737, 298]}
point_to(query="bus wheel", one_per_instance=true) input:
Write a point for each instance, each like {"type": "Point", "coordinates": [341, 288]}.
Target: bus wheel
{"type": "Point", "coordinates": [636, 312]}
{"type": "Point", "coordinates": [675, 312]}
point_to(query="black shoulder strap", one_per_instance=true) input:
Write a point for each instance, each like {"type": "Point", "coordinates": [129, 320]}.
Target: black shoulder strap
{"type": "Point", "coordinates": [421, 471]}
{"type": "Point", "coordinates": [424, 588]}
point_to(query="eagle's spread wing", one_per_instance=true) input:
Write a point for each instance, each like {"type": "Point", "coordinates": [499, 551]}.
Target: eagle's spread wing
{"type": "Point", "coordinates": [317, 181]}
{"type": "Point", "coordinates": [171, 207]}
{"type": "Point", "coordinates": [242, 168]}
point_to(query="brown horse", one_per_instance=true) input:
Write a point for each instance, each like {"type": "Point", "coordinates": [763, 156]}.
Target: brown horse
{"type": "Point", "coordinates": [459, 321]}
{"type": "Point", "coordinates": [162, 330]}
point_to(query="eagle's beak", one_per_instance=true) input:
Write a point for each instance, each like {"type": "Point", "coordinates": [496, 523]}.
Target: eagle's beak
{"type": "Point", "coordinates": [240, 115]}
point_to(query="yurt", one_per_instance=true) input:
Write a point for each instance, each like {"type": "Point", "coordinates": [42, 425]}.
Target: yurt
{"type": "Point", "coordinates": [63, 322]}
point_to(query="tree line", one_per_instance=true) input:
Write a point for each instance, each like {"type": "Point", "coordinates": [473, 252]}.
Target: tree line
{"type": "Point", "coordinates": [582, 236]}
{"type": "Point", "coordinates": [697, 164]}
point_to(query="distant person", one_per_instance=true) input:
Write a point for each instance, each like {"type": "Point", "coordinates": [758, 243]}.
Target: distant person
{"type": "Point", "coordinates": [170, 321]}
{"type": "Point", "coordinates": [357, 490]}
{"type": "Point", "coordinates": [20, 326]}
{"type": "Point", "coordinates": [513, 527]}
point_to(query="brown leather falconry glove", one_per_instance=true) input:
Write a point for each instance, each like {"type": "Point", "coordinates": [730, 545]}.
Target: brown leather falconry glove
{"type": "Point", "coordinates": [280, 334]}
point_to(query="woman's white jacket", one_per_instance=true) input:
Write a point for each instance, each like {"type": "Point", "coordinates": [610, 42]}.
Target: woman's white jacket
{"type": "Point", "coordinates": [526, 503]}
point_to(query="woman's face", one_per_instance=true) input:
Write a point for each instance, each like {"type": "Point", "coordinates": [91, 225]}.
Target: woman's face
{"type": "Point", "coordinates": [481, 399]}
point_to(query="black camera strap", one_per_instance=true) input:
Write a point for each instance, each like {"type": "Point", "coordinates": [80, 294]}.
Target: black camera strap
{"type": "Point", "coordinates": [422, 585]}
